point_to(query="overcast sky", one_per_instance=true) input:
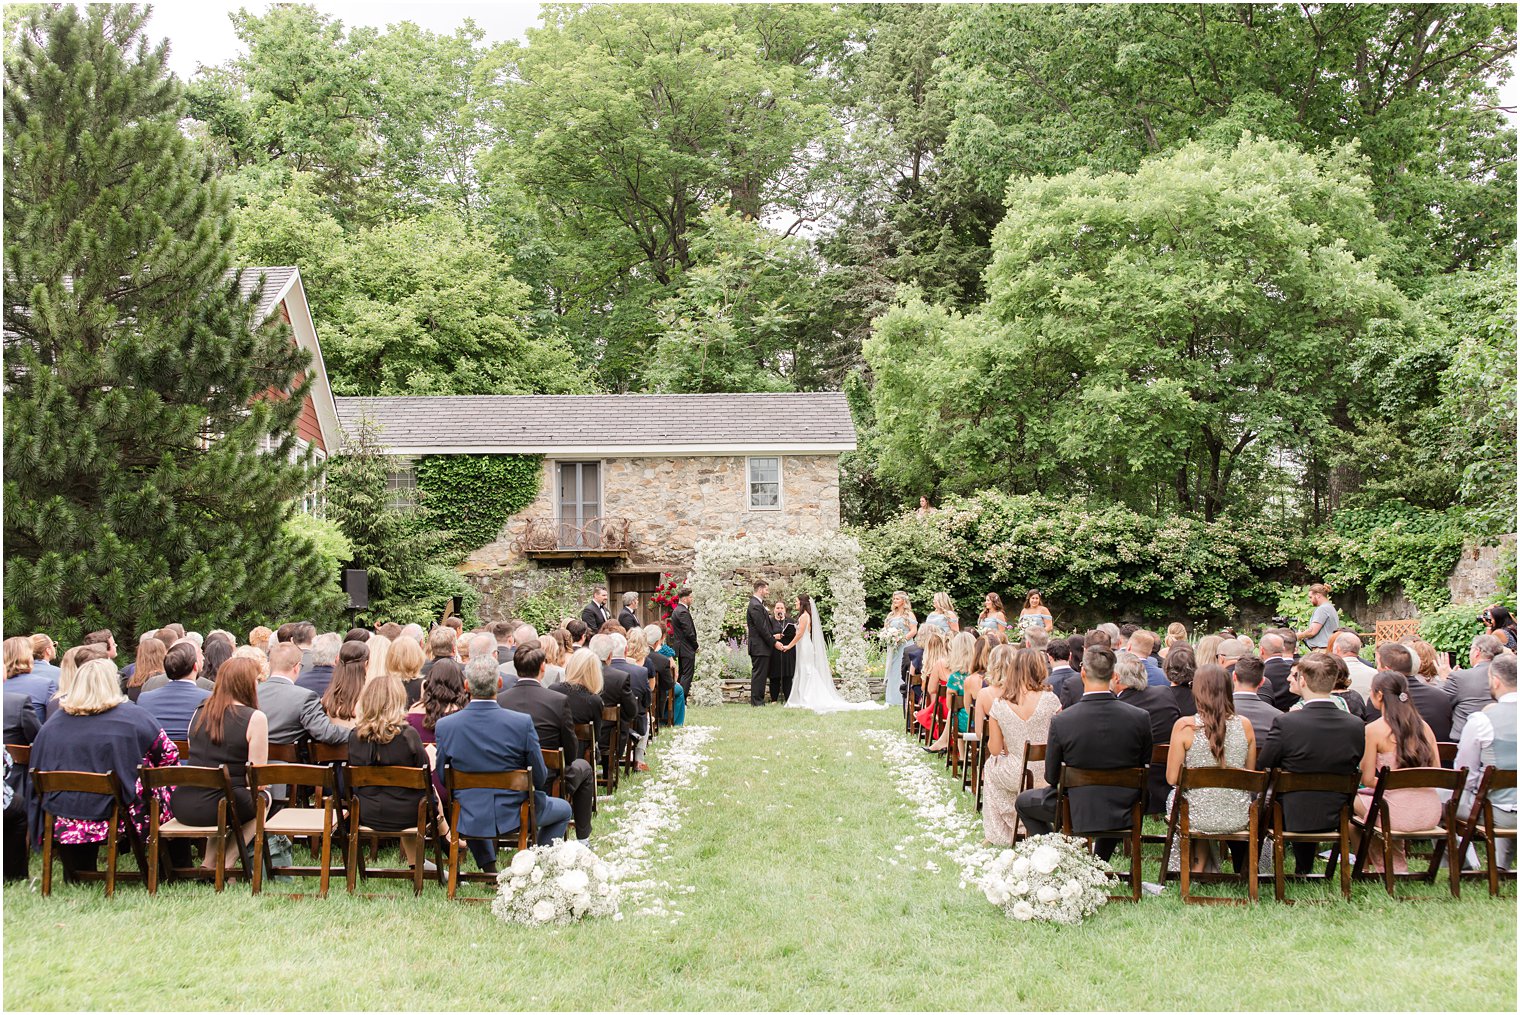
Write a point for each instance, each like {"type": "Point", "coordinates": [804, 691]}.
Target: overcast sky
{"type": "Point", "coordinates": [200, 33]}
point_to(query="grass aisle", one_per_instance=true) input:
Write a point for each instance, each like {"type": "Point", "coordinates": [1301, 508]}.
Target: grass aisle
{"type": "Point", "coordinates": [788, 842]}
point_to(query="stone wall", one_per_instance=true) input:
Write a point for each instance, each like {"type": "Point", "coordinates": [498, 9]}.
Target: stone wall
{"type": "Point", "coordinates": [671, 502]}
{"type": "Point", "coordinates": [1476, 576]}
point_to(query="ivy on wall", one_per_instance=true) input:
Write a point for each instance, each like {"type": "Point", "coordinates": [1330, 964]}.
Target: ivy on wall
{"type": "Point", "coordinates": [471, 496]}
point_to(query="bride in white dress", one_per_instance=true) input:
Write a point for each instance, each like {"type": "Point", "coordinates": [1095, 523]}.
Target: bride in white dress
{"type": "Point", "coordinates": [813, 683]}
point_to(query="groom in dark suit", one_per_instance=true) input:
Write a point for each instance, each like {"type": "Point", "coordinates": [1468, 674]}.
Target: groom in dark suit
{"type": "Point", "coordinates": [595, 614]}
{"type": "Point", "coordinates": [683, 639]}
{"type": "Point", "coordinates": [761, 640]}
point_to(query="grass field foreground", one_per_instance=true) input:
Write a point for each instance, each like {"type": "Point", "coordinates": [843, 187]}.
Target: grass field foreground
{"type": "Point", "coordinates": [788, 846]}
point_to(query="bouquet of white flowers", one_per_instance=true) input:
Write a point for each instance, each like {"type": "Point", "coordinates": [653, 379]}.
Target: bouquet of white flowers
{"type": "Point", "coordinates": [555, 884]}
{"type": "Point", "coordinates": [1047, 877]}
{"type": "Point", "coordinates": [892, 636]}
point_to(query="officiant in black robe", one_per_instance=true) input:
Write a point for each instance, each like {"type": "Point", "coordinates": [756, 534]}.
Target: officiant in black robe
{"type": "Point", "coordinates": [783, 664]}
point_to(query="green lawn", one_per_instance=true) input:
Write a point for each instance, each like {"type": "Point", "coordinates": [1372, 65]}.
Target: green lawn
{"type": "Point", "coordinates": [787, 842]}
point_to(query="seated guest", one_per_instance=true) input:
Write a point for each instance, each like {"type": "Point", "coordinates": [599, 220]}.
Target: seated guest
{"type": "Point", "coordinates": [1213, 737]}
{"type": "Point", "coordinates": [995, 680]}
{"type": "Point", "coordinates": [1277, 659]}
{"type": "Point", "coordinates": [19, 677]}
{"type": "Point", "coordinates": [484, 737]}
{"type": "Point", "coordinates": [227, 729]}
{"type": "Point", "coordinates": [552, 720]}
{"type": "Point", "coordinates": [1176, 634]}
{"type": "Point", "coordinates": [913, 661]}
{"type": "Point", "coordinates": [443, 693]}
{"type": "Point", "coordinates": [505, 647]}
{"type": "Point", "coordinates": [21, 727]}
{"type": "Point", "coordinates": [174, 704]}
{"type": "Point", "coordinates": [404, 659]}
{"type": "Point", "coordinates": [1434, 702]}
{"type": "Point", "coordinates": [1348, 647]}
{"type": "Point", "coordinates": [324, 656]}
{"type": "Point", "coordinates": [1133, 686]}
{"type": "Point", "coordinates": [1399, 738]}
{"type": "Point", "coordinates": [1143, 644]}
{"type": "Point", "coordinates": [258, 655]}
{"type": "Point", "coordinates": [1424, 660]}
{"type": "Point", "coordinates": [583, 686]}
{"type": "Point", "coordinates": [69, 665]}
{"type": "Point", "coordinates": [580, 634]}
{"type": "Point", "coordinates": [1488, 739]}
{"type": "Point", "coordinates": [1020, 715]}
{"type": "Point", "coordinates": [1470, 686]}
{"type": "Point", "coordinates": [356, 634]}
{"type": "Point", "coordinates": [630, 652]}
{"type": "Point", "coordinates": [1077, 643]}
{"type": "Point", "coordinates": [1317, 736]}
{"type": "Point", "coordinates": [1345, 697]}
{"type": "Point", "coordinates": [382, 736]}
{"type": "Point", "coordinates": [1064, 680]}
{"type": "Point", "coordinates": [554, 659]}
{"type": "Point", "coordinates": [1098, 732]}
{"type": "Point", "coordinates": [94, 728]}
{"type": "Point", "coordinates": [617, 690]}
{"type": "Point", "coordinates": [661, 660]}
{"type": "Point", "coordinates": [341, 702]}
{"type": "Point", "coordinates": [1180, 667]}
{"type": "Point", "coordinates": [259, 638]}
{"type": "Point", "coordinates": [962, 655]}
{"type": "Point", "coordinates": [295, 714]}
{"type": "Point", "coordinates": [103, 638]}
{"type": "Point", "coordinates": [1249, 697]}
{"type": "Point", "coordinates": [379, 657]}
{"type": "Point", "coordinates": [148, 664]}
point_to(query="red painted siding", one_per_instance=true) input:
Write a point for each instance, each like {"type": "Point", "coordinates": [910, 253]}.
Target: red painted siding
{"type": "Point", "coordinates": [308, 427]}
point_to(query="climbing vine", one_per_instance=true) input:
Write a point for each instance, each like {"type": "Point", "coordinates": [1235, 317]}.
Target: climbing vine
{"type": "Point", "coordinates": [471, 496]}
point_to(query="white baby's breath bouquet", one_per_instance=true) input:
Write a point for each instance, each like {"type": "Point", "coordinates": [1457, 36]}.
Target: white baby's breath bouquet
{"type": "Point", "coordinates": [1047, 877]}
{"type": "Point", "coordinates": [892, 636]}
{"type": "Point", "coordinates": [555, 884]}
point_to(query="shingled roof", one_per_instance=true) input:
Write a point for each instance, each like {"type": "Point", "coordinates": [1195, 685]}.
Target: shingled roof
{"type": "Point", "coordinates": [817, 422]}
{"type": "Point", "coordinates": [276, 282]}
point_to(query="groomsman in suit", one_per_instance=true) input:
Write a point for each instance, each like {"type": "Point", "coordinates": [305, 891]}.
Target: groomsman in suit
{"type": "Point", "coordinates": [1319, 737]}
{"type": "Point", "coordinates": [1099, 732]}
{"type": "Point", "coordinates": [626, 616]}
{"type": "Point", "coordinates": [784, 662]}
{"type": "Point", "coordinates": [761, 641]}
{"type": "Point", "coordinates": [595, 614]}
{"type": "Point", "coordinates": [683, 639]}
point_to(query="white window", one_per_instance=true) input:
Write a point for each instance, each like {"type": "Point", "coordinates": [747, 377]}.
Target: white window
{"type": "Point", "coordinates": [765, 484]}
{"type": "Point", "coordinates": [314, 502]}
{"type": "Point", "coordinates": [401, 484]}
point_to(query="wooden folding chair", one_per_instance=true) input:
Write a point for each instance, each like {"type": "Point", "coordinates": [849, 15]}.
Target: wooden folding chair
{"type": "Point", "coordinates": [1244, 780]}
{"type": "Point", "coordinates": [118, 825]}
{"type": "Point", "coordinates": [1159, 754]}
{"type": "Point", "coordinates": [183, 747]}
{"type": "Point", "coordinates": [217, 779]}
{"type": "Point", "coordinates": [425, 830]}
{"type": "Point", "coordinates": [1480, 825]}
{"type": "Point", "coordinates": [1378, 825]}
{"type": "Point", "coordinates": [1120, 778]}
{"type": "Point", "coordinates": [953, 741]}
{"type": "Point", "coordinates": [914, 688]}
{"type": "Point", "coordinates": [21, 754]}
{"type": "Point", "coordinates": [554, 761]}
{"type": "Point", "coordinates": [516, 781]}
{"type": "Point", "coordinates": [316, 823]}
{"type": "Point", "coordinates": [334, 756]}
{"type": "Point", "coordinates": [608, 777]}
{"type": "Point", "coordinates": [1447, 752]}
{"type": "Point", "coordinates": [971, 748]}
{"type": "Point", "coordinates": [1282, 784]}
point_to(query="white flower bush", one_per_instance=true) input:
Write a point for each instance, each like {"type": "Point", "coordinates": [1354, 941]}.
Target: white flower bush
{"type": "Point", "coordinates": [556, 884]}
{"type": "Point", "coordinates": [1047, 877]}
{"type": "Point", "coordinates": [834, 554]}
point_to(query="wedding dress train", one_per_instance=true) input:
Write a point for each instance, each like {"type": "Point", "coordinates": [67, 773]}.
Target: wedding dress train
{"type": "Point", "coordinates": [813, 684]}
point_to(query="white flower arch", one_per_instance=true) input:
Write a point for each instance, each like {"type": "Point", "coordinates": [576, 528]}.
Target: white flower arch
{"type": "Point", "coordinates": [834, 554]}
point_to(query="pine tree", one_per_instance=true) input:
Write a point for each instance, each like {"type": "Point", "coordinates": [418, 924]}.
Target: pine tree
{"type": "Point", "coordinates": [137, 379]}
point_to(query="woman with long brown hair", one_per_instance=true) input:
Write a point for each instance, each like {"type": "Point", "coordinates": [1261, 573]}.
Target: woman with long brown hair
{"type": "Point", "coordinates": [341, 702]}
{"type": "Point", "coordinates": [992, 617]}
{"type": "Point", "coordinates": [149, 663]}
{"type": "Point", "coordinates": [1399, 738]}
{"type": "Point", "coordinates": [1213, 738]}
{"type": "Point", "coordinates": [1019, 716]}
{"type": "Point", "coordinates": [227, 729]}
{"type": "Point", "coordinates": [443, 693]}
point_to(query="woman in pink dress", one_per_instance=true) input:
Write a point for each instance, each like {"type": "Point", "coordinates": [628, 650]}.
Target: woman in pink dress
{"type": "Point", "coordinates": [1400, 739]}
{"type": "Point", "coordinates": [1020, 716]}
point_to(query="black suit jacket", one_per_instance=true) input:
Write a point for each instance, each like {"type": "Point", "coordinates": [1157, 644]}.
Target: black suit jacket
{"type": "Point", "coordinates": [583, 705]}
{"type": "Point", "coordinates": [757, 629]}
{"type": "Point", "coordinates": [1274, 684]}
{"type": "Point", "coordinates": [1316, 738]}
{"type": "Point", "coordinates": [638, 686]}
{"type": "Point", "coordinates": [628, 619]}
{"type": "Point", "coordinates": [550, 713]}
{"type": "Point", "coordinates": [659, 666]}
{"type": "Point", "coordinates": [1160, 703]}
{"type": "Point", "coordinates": [594, 616]}
{"type": "Point", "coordinates": [1101, 732]}
{"type": "Point", "coordinates": [1434, 702]}
{"type": "Point", "coordinates": [683, 631]}
{"type": "Point", "coordinates": [1067, 684]}
{"type": "Point", "coordinates": [21, 723]}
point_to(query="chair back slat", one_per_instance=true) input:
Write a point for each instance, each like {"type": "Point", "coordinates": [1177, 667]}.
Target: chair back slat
{"type": "Point", "coordinates": [517, 781]}
{"type": "Point", "coordinates": [327, 754]}
{"type": "Point", "coordinates": [554, 758]}
{"type": "Point", "coordinates": [289, 754]}
{"type": "Point", "coordinates": [1124, 778]}
{"type": "Point", "coordinates": [1034, 752]}
{"type": "Point", "coordinates": [1391, 779]}
{"type": "Point", "coordinates": [183, 747]}
{"type": "Point", "coordinates": [201, 777]}
{"type": "Point", "coordinates": [1315, 782]}
{"type": "Point", "coordinates": [391, 776]}
{"type": "Point", "coordinates": [610, 713]}
{"type": "Point", "coordinates": [21, 754]}
{"type": "Point", "coordinates": [316, 776]}
{"type": "Point", "coordinates": [1500, 778]}
{"type": "Point", "coordinates": [1159, 753]}
{"type": "Point", "coordinates": [1446, 751]}
{"type": "Point", "coordinates": [1247, 780]}
{"type": "Point", "coordinates": [101, 784]}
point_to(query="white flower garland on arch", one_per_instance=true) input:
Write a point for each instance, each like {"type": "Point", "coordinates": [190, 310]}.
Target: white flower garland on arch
{"type": "Point", "coordinates": [834, 554]}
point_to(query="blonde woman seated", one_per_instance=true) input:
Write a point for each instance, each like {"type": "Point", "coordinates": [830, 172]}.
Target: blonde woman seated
{"type": "Point", "coordinates": [1176, 634]}
{"type": "Point", "coordinates": [383, 736]}
{"type": "Point", "coordinates": [961, 658]}
{"type": "Point", "coordinates": [1019, 716]}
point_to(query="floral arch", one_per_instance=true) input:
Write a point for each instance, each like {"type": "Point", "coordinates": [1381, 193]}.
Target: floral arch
{"type": "Point", "coordinates": [834, 554]}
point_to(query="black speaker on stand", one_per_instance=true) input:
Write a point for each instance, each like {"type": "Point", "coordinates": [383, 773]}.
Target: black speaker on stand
{"type": "Point", "coordinates": [356, 587]}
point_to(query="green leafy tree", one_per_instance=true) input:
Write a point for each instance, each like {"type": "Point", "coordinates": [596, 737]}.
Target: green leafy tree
{"type": "Point", "coordinates": [136, 492]}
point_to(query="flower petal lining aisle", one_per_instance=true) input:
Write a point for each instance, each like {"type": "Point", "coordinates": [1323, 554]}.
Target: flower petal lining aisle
{"type": "Point", "coordinates": [645, 823]}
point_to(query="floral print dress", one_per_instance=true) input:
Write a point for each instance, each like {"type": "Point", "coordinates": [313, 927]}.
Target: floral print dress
{"type": "Point", "coordinates": [77, 831]}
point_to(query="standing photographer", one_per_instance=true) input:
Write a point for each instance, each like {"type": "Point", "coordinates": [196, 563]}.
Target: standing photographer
{"type": "Point", "coordinates": [1498, 622]}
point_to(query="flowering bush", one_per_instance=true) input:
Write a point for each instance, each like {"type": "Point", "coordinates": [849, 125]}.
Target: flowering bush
{"type": "Point", "coordinates": [1047, 877]}
{"type": "Point", "coordinates": [555, 884]}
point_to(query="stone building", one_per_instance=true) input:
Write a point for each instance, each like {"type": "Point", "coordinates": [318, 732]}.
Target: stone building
{"type": "Point", "coordinates": [629, 482]}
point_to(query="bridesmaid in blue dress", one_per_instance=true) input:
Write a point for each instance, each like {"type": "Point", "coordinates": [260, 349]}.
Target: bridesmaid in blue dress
{"type": "Point", "coordinates": [993, 618]}
{"type": "Point", "coordinates": [944, 616]}
{"type": "Point", "coordinates": [901, 618]}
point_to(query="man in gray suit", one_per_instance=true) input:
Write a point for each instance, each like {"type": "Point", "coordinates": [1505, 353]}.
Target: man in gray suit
{"type": "Point", "coordinates": [295, 714]}
{"type": "Point", "coordinates": [1249, 703]}
{"type": "Point", "coordinates": [1471, 685]}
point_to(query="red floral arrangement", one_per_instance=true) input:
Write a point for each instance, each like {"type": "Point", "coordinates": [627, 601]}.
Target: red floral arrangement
{"type": "Point", "coordinates": [665, 595]}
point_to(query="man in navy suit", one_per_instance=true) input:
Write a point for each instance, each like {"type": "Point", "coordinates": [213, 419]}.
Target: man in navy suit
{"type": "Point", "coordinates": [484, 737]}
{"type": "Point", "coordinates": [1099, 732]}
{"type": "Point", "coordinates": [174, 704]}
